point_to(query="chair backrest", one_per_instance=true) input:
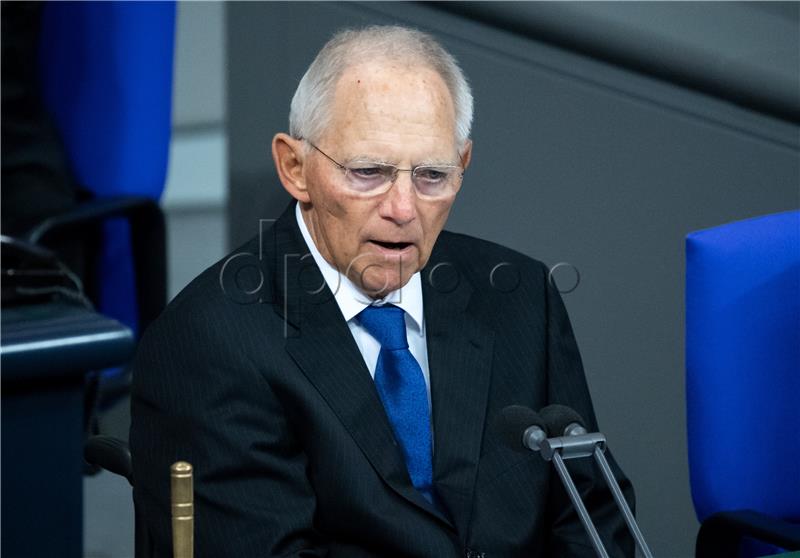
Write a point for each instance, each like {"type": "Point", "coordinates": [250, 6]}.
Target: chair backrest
{"type": "Point", "coordinates": [743, 366]}
{"type": "Point", "coordinates": [106, 74]}
{"type": "Point", "coordinates": [106, 71]}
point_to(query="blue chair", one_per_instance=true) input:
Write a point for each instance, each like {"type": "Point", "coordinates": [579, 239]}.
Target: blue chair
{"type": "Point", "coordinates": [743, 384]}
{"type": "Point", "coordinates": [106, 78]}
{"type": "Point", "coordinates": [106, 75]}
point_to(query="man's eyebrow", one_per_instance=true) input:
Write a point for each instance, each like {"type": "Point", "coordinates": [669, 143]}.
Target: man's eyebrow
{"type": "Point", "coordinates": [368, 159]}
{"type": "Point", "coordinates": [422, 163]}
{"type": "Point", "coordinates": [436, 163]}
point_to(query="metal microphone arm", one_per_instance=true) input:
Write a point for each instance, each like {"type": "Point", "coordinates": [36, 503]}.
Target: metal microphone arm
{"type": "Point", "coordinates": [622, 504]}
{"type": "Point", "coordinates": [566, 480]}
{"type": "Point", "coordinates": [577, 443]}
{"type": "Point", "coordinates": [534, 438]}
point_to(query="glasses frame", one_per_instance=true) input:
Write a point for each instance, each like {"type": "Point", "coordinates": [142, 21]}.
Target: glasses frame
{"type": "Point", "coordinates": [346, 170]}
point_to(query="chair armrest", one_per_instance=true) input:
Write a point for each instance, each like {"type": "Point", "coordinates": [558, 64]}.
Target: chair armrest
{"type": "Point", "coordinates": [148, 238]}
{"type": "Point", "coordinates": [90, 212]}
{"type": "Point", "coordinates": [721, 533]}
{"type": "Point", "coordinates": [112, 454]}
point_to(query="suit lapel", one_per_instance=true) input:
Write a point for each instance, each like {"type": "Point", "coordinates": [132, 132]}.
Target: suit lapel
{"type": "Point", "coordinates": [459, 356]}
{"type": "Point", "coordinates": [320, 342]}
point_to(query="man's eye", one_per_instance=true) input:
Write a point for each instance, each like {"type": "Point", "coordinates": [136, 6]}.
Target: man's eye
{"type": "Point", "coordinates": [367, 172]}
{"type": "Point", "coordinates": [432, 175]}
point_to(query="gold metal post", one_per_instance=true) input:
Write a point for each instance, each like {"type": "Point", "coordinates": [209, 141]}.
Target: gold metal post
{"type": "Point", "coordinates": [182, 495]}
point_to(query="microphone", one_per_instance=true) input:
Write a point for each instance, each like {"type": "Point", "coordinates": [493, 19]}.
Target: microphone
{"type": "Point", "coordinates": [568, 435]}
{"type": "Point", "coordinates": [562, 420]}
{"type": "Point", "coordinates": [523, 429]}
{"type": "Point", "coordinates": [565, 423]}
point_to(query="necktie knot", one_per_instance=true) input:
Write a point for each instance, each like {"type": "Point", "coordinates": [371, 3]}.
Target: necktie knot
{"type": "Point", "coordinates": [386, 324]}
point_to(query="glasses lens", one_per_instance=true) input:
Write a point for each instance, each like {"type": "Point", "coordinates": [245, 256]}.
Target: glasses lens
{"type": "Point", "coordinates": [375, 178]}
{"type": "Point", "coordinates": [368, 178]}
{"type": "Point", "coordinates": [435, 181]}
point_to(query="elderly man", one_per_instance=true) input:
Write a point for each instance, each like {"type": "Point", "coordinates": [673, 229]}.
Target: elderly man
{"type": "Point", "coordinates": [332, 380]}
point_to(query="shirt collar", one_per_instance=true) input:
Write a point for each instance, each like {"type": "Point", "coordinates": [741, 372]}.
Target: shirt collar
{"type": "Point", "coordinates": [350, 299]}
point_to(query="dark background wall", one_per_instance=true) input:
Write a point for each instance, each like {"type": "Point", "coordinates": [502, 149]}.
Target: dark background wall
{"type": "Point", "coordinates": [602, 137]}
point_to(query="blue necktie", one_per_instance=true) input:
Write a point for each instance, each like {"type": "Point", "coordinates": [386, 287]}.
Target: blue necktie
{"type": "Point", "coordinates": [401, 387]}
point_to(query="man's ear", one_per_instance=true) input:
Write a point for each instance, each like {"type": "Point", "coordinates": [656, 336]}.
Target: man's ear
{"type": "Point", "coordinates": [289, 156]}
{"type": "Point", "coordinates": [466, 154]}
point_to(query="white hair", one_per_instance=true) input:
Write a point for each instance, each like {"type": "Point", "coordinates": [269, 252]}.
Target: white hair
{"type": "Point", "coordinates": [310, 111]}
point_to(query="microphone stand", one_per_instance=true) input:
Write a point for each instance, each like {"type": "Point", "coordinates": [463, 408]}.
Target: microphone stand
{"type": "Point", "coordinates": [566, 480]}
{"type": "Point", "coordinates": [585, 445]}
{"type": "Point", "coordinates": [622, 504]}
{"type": "Point", "coordinates": [535, 439]}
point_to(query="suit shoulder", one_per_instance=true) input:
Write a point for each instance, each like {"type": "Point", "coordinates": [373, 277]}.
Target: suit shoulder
{"type": "Point", "coordinates": [216, 291]}
{"type": "Point", "coordinates": [502, 275]}
{"type": "Point", "coordinates": [471, 252]}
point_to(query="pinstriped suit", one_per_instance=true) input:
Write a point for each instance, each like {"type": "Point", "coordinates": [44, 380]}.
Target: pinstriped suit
{"type": "Point", "coordinates": [268, 396]}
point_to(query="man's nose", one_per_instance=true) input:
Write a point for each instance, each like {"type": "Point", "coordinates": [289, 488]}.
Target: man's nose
{"type": "Point", "coordinates": [400, 204]}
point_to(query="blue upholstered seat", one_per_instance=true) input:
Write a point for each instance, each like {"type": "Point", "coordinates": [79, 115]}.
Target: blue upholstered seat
{"type": "Point", "coordinates": [743, 366]}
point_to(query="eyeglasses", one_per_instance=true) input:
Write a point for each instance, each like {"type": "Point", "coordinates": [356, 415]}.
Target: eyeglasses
{"type": "Point", "coordinates": [369, 178]}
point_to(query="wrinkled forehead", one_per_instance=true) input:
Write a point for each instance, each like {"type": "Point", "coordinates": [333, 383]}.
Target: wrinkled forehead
{"type": "Point", "coordinates": [389, 98]}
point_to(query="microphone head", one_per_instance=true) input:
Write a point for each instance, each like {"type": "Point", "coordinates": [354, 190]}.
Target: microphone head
{"type": "Point", "coordinates": [511, 423]}
{"type": "Point", "coordinates": [559, 417]}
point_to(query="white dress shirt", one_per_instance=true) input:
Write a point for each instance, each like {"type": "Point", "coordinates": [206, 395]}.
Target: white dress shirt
{"type": "Point", "coordinates": [351, 301]}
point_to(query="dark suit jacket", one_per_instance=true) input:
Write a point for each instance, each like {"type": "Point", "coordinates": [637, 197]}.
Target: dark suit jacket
{"type": "Point", "coordinates": [252, 375]}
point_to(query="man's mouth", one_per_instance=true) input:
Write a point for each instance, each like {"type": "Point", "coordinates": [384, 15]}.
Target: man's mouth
{"type": "Point", "coordinates": [392, 245]}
